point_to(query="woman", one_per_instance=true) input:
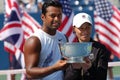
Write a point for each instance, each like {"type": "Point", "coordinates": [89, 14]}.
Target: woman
{"type": "Point", "coordinates": [96, 66]}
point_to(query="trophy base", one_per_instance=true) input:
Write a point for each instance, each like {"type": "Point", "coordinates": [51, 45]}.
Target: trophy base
{"type": "Point", "coordinates": [75, 60]}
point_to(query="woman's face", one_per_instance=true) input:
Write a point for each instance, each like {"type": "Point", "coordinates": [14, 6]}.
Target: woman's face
{"type": "Point", "coordinates": [84, 32]}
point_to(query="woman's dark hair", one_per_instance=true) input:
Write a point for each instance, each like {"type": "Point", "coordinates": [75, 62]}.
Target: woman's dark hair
{"type": "Point", "coordinates": [54, 3]}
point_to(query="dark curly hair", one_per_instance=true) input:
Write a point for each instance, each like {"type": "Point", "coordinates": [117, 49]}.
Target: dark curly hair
{"type": "Point", "coordinates": [54, 3]}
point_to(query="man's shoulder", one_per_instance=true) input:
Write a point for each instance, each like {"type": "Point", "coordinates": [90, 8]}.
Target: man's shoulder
{"type": "Point", "coordinates": [62, 36]}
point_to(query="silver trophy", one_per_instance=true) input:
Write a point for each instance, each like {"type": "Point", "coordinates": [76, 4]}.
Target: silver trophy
{"type": "Point", "coordinates": [75, 52]}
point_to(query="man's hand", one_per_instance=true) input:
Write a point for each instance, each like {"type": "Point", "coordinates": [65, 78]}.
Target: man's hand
{"type": "Point", "coordinates": [61, 64]}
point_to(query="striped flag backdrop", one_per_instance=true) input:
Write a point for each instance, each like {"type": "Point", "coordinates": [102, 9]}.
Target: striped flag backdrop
{"type": "Point", "coordinates": [107, 25]}
{"type": "Point", "coordinates": [66, 26]}
{"type": "Point", "coordinates": [18, 26]}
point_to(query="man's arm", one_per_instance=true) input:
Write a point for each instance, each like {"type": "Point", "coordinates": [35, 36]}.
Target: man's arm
{"type": "Point", "coordinates": [32, 50]}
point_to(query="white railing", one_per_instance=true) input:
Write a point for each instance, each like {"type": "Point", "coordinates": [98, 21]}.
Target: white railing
{"type": "Point", "coordinates": [112, 64]}
{"type": "Point", "coordinates": [22, 71]}
{"type": "Point", "coordinates": [8, 73]}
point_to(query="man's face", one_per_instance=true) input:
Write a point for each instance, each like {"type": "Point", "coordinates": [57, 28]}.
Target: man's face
{"type": "Point", "coordinates": [83, 33]}
{"type": "Point", "coordinates": [52, 18]}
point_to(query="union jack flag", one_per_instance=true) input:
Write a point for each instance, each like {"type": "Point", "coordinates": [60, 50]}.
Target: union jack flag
{"type": "Point", "coordinates": [107, 25]}
{"type": "Point", "coordinates": [17, 27]}
{"type": "Point", "coordinates": [12, 29]}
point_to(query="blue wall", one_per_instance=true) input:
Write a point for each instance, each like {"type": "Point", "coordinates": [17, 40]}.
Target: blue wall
{"type": "Point", "coordinates": [4, 60]}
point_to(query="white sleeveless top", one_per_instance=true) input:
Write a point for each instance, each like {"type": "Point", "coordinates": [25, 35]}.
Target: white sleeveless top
{"type": "Point", "coordinates": [50, 52]}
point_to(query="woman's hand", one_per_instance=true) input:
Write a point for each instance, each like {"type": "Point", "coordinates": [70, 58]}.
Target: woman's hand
{"type": "Point", "coordinates": [87, 63]}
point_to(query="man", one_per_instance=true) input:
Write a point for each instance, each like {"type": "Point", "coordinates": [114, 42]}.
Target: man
{"type": "Point", "coordinates": [96, 64]}
{"type": "Point", "coordinates": [41, 50]}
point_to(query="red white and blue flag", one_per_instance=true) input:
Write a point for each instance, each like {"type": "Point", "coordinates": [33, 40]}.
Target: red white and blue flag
{"type": "Point", "coordinates": [66, 26]}
{"type": "Point", "coordinates": [18, 26]}
{"type": "Point", "coordinates": [107, 25]}
{"type": "Point", "coordinates": [12, 31]}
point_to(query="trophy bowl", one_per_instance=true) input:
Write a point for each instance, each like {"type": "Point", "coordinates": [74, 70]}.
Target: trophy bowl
{"type": "Point", "coordinates": [75, 52]}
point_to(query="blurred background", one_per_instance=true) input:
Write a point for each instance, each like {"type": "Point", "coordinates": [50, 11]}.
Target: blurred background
{"type": "Point", "coordinates": [33, 7]}
{"type": "Point", "coordinates": [76, 5]}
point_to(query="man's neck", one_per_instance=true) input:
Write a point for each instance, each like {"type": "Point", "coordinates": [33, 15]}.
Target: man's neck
{"type": "Point", "coordinates": [48, 31]}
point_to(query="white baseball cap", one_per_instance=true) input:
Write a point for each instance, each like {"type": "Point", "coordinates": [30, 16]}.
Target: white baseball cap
{"type": "Point", "coordinates": [80, 19]}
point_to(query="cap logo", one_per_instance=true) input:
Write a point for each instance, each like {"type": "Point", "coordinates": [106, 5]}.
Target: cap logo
{"type": "Point", "coordinates": [83, 16]}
